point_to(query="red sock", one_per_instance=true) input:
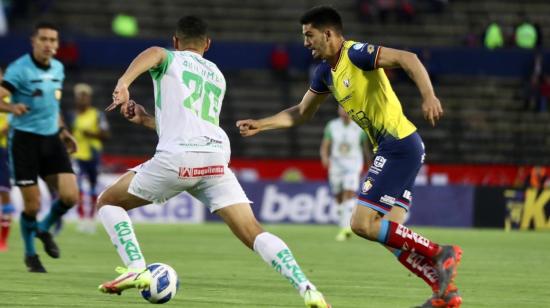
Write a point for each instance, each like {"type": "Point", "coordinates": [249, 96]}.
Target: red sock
{"type": "Point", "coordinates": [421, 266]}
{"type": "Point", "coordinates": [398, 236]}
{"type": "Point", "coordinates": [93, 201]}
{"type": "Point", "coordinates": [5, 223]}
{"type": "Point", "coordinates": [80, 207]}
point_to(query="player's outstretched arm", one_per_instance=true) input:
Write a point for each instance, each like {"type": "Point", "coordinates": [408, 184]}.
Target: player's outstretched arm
{"type": "Point", "coordinates": [389, 57]}
{"type": "Point", "coordinates": [149, 58]}
{"type": "Point", "coordinates": [292, 116]}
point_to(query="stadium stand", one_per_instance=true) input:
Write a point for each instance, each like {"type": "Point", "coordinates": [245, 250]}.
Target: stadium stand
{"type": "Point", "coordinates": [484, 121]}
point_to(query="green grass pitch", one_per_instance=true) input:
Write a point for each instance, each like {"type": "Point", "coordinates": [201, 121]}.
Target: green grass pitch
{"type": "Point", "coordinates": [498, 269]}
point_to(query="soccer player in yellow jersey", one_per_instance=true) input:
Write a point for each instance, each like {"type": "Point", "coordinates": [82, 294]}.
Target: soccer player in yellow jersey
{"type": "Point", "coordinates": [7, 208]}
{"type": "Point", "coordinates": [90, 128]}
{"type": "Point", "coordinates": [354, 73]}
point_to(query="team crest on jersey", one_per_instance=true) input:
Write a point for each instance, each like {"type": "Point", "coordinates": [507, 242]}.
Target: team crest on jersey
{"type": "Point", "coordinates": [58, 94]}
{"type": "Point", "coordinates": [346, 83]}
{"type": "Point", "coordinates": [370, 49]}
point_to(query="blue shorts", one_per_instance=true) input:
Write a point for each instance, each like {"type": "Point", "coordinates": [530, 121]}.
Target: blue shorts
{"type": "Point", "coordinates": [391, 177]}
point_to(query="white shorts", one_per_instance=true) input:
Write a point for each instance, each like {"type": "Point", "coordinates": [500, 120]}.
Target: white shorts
{"type": "Point", "coordinates": [203, 175]}
{"type": "Point", "coordinates": [340, 180]}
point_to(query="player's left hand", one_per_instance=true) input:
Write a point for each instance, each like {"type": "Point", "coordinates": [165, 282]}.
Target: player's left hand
{"type": "Point", "coordinates": [69, 141]}
{"type": "Point", "coordinates": [432, 109]}
{"type": "Point", "coordinates": [121, 95]}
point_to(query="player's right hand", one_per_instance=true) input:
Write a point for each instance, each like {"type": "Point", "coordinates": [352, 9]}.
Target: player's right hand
{"type": "Point", "coordinates": [248, 127]}
{"type": "Point", "coordinates": [133, 112]}
{"type": "Point", "coordinates": [121, 95]}
{"type": "Point", "coordinates": [18, 109]}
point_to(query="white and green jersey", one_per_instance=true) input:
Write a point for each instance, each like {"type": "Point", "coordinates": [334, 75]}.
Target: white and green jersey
{"type": "Point", "coordinates": [189, 91]}
{"type": "Point", "coordinates": [346, 140]}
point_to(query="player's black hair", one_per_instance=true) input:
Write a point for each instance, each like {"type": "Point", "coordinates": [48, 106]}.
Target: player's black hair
{"type": "Point", "coordinates": [191, 28]}
{"type": "Point", "coordinates": [44, 25]}
{"type": "Point", "coordinates": [321, 17]}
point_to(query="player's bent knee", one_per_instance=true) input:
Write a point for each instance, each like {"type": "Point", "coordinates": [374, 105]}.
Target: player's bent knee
{"type": "Point", "coordinates": [69, 199]}
{"type": "Point", "coordinates": [366, 228]}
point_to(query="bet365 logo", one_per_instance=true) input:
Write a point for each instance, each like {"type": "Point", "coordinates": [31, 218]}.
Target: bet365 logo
{"type": "Point", "coordinates": [534, 209]}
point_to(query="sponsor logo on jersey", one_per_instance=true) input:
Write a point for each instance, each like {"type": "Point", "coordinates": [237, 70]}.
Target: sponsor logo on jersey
{"type": "Point", "coordinates": [358, 46]}
{"type": "Point", "coordinates": [345, 99]}
{"type": "Point", "coordinates": [187, 172]}
{"type": "Point", "coordinates": [389, 200]}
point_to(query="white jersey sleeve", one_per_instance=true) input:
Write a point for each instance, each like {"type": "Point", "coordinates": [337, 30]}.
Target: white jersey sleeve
{"type": "Point", "coordinates": [189, 92]}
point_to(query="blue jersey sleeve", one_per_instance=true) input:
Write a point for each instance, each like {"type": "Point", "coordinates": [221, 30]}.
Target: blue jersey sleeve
{"type": "Point", "coordinates": [320, 79]}
{"type": "Point", "coordinates": [364, 55]}
{"type": "Point", "coordinates": [12, 78]}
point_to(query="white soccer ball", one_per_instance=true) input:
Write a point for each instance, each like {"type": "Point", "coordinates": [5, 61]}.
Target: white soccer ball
{"type": "Point", "coordinates": [164, 284]}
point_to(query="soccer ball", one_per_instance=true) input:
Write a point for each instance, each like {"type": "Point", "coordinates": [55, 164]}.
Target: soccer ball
{"type": "Point", "coordinates": [164, 284]}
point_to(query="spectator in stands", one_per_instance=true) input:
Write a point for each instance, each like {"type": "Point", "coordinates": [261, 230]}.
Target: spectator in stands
{"type": "Point", "coordinates": [68, 53]}
{"type": "Point", "coordinates": [365, 10]}
{"type": "Point", "coordinates": [537, 178]}
{"type": "Point", "coordinates": [537, 88]}
{"type": "Point", "coordinates": [280, 66]}
{"type": "Point", "coordinates": [406, 11]}
{"type": "Point", "coordinates": [385, 8]}
{"type": "Point", "coordinates": [493, 36]}
{"type": "Point", "coordinates": [90, 129]}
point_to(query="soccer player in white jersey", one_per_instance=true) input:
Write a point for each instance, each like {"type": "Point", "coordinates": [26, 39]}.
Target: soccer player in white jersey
{"type": "Point", "coordinates": [192, 155]}
{"type": "Point", "coordinates": [343, 150]}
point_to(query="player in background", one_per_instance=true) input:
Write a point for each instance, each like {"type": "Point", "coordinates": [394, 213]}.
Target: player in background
{"type": "Point", "coordinates": [343, 150]}
{"type": "Point", "coordinates": [7, 207]}
{"type": "Point", "coordinates": [38, 140]}
{"type": "Point", "coordinates": [90, 128]}
{"type": "Point", "coordinates": [192, 155]}
{"type": "Point", "coordinates": [354, 73]}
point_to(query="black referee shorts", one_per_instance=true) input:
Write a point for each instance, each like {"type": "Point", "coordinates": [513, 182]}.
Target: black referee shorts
{"type": "Point", "coordinates": [33, 155]}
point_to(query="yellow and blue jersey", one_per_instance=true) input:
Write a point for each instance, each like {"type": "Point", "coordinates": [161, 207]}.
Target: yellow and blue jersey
{"type": "Point", "coordinates": [39, 87]}
{"type": "Point", "coordinates": [93, 121]}
{"type": "Point", "coordinates": [3, 129]}
{"type": "Point", "coordinates": [364, 91]}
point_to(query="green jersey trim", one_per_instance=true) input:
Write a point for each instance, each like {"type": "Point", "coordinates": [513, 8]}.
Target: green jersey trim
{"type": "Point", "coordinates": [158, 71]}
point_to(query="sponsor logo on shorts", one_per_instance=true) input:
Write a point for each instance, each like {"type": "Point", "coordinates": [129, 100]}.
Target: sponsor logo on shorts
{"type": "Point", "coordinates": [387, 200]}
{"type": "Point", "coordinates": [186, 172]}
{"type": "Point", "coordinates": [25, 182]}
{"type": "Point", "coordinates": [407, 195]}
{"type": "Point", "coordinates": [366, 186]}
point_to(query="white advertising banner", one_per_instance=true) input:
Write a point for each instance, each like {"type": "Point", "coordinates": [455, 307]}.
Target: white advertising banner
{"type": "Point", "coordinates": [180, 209]}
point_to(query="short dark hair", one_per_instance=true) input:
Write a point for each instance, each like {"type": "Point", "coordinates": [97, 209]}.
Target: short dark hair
{"type": "Point", "coordinates": [44, 25]}
{"type": "Point", "coordinates": [323, 16]}
{"type": "Point", "coordinates": [191, 28]}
